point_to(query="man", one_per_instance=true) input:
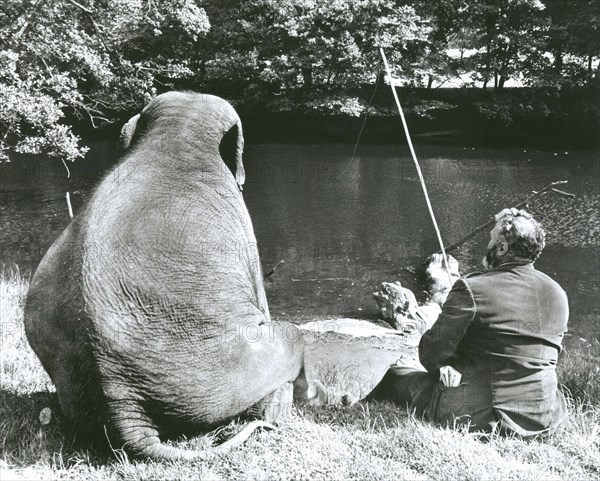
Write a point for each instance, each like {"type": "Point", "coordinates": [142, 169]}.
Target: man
{"type": "Point", "coordinates": [496, 342]}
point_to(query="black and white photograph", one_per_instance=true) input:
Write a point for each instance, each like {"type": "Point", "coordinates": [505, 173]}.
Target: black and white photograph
{"type": "Point", "coordinates": [300, 240]}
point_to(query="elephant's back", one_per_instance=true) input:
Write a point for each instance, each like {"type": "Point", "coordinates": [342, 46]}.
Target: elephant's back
{"type": "Point", "coordinates": [170, 271]}
{"type": "Point", "coordinates": [171, 240]}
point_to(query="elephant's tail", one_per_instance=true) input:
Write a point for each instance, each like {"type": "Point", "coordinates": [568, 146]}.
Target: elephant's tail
{"type": "Point", "coordinates": [153, 448]}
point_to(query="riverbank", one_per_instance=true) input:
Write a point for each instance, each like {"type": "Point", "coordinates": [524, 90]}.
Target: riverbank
{"type": "Point", "coordinates": [378, 442]}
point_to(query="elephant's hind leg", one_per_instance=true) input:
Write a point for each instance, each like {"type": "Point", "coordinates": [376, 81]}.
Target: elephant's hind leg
{"type": "Point", "coordinates": [132, 430]}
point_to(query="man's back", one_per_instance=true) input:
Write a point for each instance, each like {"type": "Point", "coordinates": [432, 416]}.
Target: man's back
{"type": "Point", "coordinates": [507, 325]}
{"type": "Point", "coordinates": [518, 328]}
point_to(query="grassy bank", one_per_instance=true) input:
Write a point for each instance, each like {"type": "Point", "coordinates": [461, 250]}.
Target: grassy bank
{"type": "Point", "coordinates": [374, 442]}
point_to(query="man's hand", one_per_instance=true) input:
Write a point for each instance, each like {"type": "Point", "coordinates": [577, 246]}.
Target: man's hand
{"type": "Point", "coordinates": [436, 277]}
{"type": "Point", "coordinates": [449, 376]}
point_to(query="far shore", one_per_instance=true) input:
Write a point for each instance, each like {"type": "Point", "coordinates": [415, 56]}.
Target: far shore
{"type": "Point", "coordinates": [458, 127]}
{"type": "Point", "coordinates": [513, 117]}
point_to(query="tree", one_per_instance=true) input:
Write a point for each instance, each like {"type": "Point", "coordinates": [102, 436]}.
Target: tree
{"type": "Point", "coordinates": [507, 34]}
{"type": "Point", "coordinates": [446, 19]}
{"type": "Point", "coordinates": [312, 53]}
{"type": "Point", "coordinates": [573, 32]}
{"type": "Point", "coordinates": [91, 61]}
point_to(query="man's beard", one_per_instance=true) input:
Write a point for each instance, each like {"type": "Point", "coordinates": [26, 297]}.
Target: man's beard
{"type": "Point", "coordinates": [491, 260]}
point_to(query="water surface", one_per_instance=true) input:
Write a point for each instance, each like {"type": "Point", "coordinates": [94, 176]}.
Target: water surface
{"type": "Point", "coordinates": [345, 225]}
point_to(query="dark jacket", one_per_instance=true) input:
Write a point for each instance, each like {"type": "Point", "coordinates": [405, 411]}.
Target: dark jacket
{"type": "Point", "coordinates": [502, 330]}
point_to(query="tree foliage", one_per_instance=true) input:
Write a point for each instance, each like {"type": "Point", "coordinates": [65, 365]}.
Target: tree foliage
{"type": "Point", "coordinates": [285, 53]}
{"type": "Point", "coordinates": [85, 61]}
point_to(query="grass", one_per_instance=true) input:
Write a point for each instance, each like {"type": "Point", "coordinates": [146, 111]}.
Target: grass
{"type": "Point", "coordinates": [376, 441]}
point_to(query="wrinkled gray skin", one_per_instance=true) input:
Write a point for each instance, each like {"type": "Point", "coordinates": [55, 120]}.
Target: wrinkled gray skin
{"type": "Point", "coordinates": [149, 311]}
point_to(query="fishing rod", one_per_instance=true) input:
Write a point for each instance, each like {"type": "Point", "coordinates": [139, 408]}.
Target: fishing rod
{"type": "Point", "coordinates": [548, 188]}
{"type": "Point", "coordinates": [416, 162]}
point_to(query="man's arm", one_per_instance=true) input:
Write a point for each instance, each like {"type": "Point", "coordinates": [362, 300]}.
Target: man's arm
{"type": "Point", "coordinates": [438, 344]}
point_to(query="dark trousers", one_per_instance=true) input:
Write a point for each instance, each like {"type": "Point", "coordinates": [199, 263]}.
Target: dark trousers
{"type": "Point", "coordinates": [405, 387]}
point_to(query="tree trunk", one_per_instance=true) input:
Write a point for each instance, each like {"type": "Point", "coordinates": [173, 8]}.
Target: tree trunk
{"type": "Point", "coordinates": [495, 80]}
{"type": "Point", "coordinates": [558, 60]}
{"type": "Point", "coordinates": [430, 82]}
{"type": "Point", "coordinates": [501, 83]}
{"type": "Point", "coordinates": [307, 86]}
{"type": "Point", "coordinates": [488, 47]}
{"type": "Point", "coordinates": [308, 80]}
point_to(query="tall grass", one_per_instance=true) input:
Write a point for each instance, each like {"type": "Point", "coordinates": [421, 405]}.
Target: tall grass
{"type": "Point", "coordinates": [579, 372]}
{"type": "Point", "coordinates": [375, 441]}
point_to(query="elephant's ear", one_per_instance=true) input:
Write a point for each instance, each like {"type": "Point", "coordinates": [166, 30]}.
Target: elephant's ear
{"type": "Point", "coordinates": [127, 132]}
{"type": "Point", "coordinates": [231, 149]}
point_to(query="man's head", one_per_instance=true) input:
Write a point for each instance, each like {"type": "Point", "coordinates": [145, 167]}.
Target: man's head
{"type": "Point", "coordinates": [516, 237]}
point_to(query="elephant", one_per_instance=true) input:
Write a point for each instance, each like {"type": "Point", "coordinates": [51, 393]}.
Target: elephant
{"type": "Point", "coordinates": [149, 311]}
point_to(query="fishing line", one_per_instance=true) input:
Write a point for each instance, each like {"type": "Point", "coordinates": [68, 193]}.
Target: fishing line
{"type": "Point", "coordinates": [365, 119]}
{"type": "Point", "coordinates": [367, 110]}
{"type": "Point", "coordinates": [416, 162]}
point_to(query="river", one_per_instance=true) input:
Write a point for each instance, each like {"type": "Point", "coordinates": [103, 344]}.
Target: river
{"type": "Point", "coordinates": [343, 225]}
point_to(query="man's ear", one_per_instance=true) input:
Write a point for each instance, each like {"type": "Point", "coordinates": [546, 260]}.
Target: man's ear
{"type": "Point", "coordinates": [501, 249]}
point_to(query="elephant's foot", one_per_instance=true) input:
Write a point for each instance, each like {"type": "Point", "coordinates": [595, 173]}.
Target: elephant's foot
{"type": "Point", "coordinates": [316, 394]}
{"type": "Point", "coordinates": [135, 432]}
{"type": "Point", "coordinates": [275, 406]}
{"type": "Point", "coordinates": [349, 400]}
{"type": "Point", "coordinates": [311, 392]}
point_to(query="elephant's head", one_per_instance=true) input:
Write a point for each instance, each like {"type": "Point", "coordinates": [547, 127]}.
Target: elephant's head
{"type": "Point", "coordinates": [200, 120]}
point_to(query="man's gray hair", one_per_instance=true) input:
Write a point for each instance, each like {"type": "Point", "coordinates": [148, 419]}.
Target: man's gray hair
{"type": "Point", "coordinates": [523, 234]}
